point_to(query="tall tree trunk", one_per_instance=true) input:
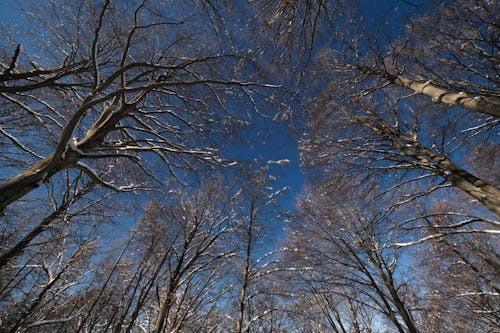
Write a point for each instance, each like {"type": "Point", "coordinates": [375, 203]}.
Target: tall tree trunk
{"type": "Point", "coordinates": [164, 311]}
{"type": "Point", "coordinates": [21, 245]}
{"type": "Point", "coordinates": [23, 183]}
{"type": "Point", "coordinates": [479, 104]}
{"type": "Point", "coordinates": [246, 274]}
{"type": "Point", "coordinates": [479, 189]}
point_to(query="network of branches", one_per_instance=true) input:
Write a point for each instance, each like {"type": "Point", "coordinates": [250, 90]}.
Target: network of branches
{"type": "Point", "coordinates": [143, 186]}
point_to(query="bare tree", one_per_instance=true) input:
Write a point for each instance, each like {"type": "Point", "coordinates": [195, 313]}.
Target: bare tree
{"type": "Point", "coordinates": [403, 121]}
{"type": "Point", "coordinates": [459, 280]}
{"type": "Point", "coordinates": [167, 276]}
{"type": "Point", "coordinates": [108, 94]}
{"type": "Point", "coordinates": [104, 103]}
{"type": "Point", "coordinates": [372, 117]}
{"type": "Point", "coordinates": [257, 262]}
{"type": "Point", "coordinates": [194, 254]}
{"type": "Point", "coordinates": [458, 53]}
{"type": "Point", "coordinates": [349, 269]}
{"type": "Point", "coordinates": [116, 98]}
{"type": "Point", "coordinates": [41, 281]}
{"type": "Point", "coordinates": [131, 96]}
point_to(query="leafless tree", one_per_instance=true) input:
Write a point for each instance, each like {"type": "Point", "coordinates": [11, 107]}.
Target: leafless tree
{"type": "Point", "coordinates": [459, 279]}
{"type": "Point", "coordinates": [352, 273]}
{"type": "Point", "coordinates": [197, 251]}
{"type": "Point", "coordinates": [456, 52]}
{"type": "Point", "coordinates": [123, 92]}
{"type": "Point", "coordinates": [111, 89]}
{"type": "Point", "coordinates": [258, 262]}
{"type": "Point", "coordinates": [110, 97]}
{"type": "Point", "coordinates": [103, 103]}
{"type": "Point", "coordinates": [404, 121]}
{"type": "Point", "coordinates": [371, 118]}
{"type": "Point", "coordinates": [167, 276]}
{"type": "Point", "coordinates": [42, 278]}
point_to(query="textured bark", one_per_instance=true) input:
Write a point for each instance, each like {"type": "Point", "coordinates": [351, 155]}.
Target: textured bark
{"type": "Point", "coordinates": [391, 287]}
{"type": "Point", "coordinates": [163, 314]}
{"type": "Point", "coordinates": [241, 310]}
{"type": "Point", "coordinates": [20, 185]}
{"type": "Point", "coordinates": [479, 189]}
{"type": "Point", "coordinates": [246, 279]}
{"type": "Point", "coordinates": [478, 103]}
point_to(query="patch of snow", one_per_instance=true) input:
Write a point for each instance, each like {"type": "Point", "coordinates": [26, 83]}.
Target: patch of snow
{"type": "Point", "coordinates": [281, 162]}
{"type": "Point", "coordinates": [73, 144]}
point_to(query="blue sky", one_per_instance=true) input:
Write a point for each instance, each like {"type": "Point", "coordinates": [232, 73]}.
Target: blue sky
{"type": "Point", "coordinates": [8, 12]}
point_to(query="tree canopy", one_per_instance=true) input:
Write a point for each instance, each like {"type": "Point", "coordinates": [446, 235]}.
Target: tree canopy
{"type": "Point", "coordinates": [249, 166]}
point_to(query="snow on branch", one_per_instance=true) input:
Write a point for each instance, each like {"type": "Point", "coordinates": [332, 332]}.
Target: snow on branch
{"type": "Point", "coordinates": [281, 162]}
{"type": "Point", "coordinates": [441, 235]}
{"type": "Point", "coordinates": [93, 174]}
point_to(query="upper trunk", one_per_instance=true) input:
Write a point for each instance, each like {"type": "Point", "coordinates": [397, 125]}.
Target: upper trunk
{"type": "Point", "coordinates": [479, 104]}
{"type": "Point", "coordinates": [479, 189]}
{"type": "Point", "coordinates": [20, 185]}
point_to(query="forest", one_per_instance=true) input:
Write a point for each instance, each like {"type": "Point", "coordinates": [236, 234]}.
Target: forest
{"type": "Point", "coordinates": [247, 166]}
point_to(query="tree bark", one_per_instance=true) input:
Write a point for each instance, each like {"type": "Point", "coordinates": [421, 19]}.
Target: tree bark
{"type": "Point", "coordinates": [478, 103]}
{"type": "Point", "coordinates": [479, 189]}
{"type": "Point", "coordinates": [64, 155]}
{"type": "Point", "coordinates": [20, 185]}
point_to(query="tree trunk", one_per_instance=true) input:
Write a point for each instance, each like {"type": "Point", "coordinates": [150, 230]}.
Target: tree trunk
{"type": "Point", "coordinates": [478, 104]}
{"type": "Point", "coordinates": [246, 275]}
{"type": "Point", "coordinates": [21, 245]}
{"type": "Point", "coordinates": [18, 186]}
{"type": "Point", "coordinates": [479, 189]}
